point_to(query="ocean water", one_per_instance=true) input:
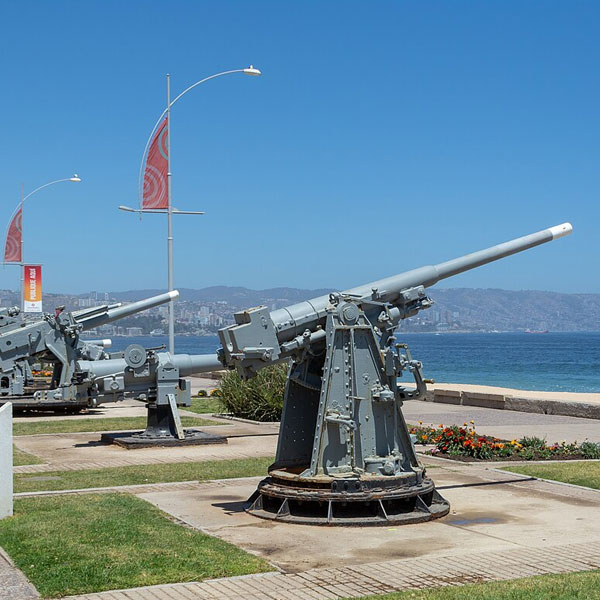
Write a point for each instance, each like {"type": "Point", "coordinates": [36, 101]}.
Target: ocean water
{"type": "Point", "coordinates": [568, 362]}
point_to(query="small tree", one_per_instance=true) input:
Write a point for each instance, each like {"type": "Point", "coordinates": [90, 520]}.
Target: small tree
{"type": "Point", "coordinates": [259, 398]}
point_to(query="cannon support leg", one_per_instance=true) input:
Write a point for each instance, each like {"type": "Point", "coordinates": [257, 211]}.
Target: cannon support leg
{"type": "Point", "coordinates": [344, 455]}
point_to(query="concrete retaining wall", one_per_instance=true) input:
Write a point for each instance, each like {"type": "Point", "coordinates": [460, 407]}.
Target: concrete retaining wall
{"type": "Point", "coordinates": [510, 400]}
{"type": "Point", "coordinates": [6, 461]}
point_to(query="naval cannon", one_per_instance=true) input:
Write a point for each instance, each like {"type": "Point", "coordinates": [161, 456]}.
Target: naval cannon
{"type": "Point", "coordinates": [344, 454]}
{"type": "Point", "coordinates": [55, 338]}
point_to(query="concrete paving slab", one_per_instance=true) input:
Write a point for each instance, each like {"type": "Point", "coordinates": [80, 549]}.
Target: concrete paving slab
{"type": "Point", "coordinates": [84, 450]}
{"type": "Point", "coordinates": [376, 578]}
{"type": "Point", "coordinates": [490, 511]}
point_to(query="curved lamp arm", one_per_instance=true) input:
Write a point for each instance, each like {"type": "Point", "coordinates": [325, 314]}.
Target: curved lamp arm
{"type": "Point", "coordinates": [248, 71]}
{"type": "Point", "coordinates": [75, 178]}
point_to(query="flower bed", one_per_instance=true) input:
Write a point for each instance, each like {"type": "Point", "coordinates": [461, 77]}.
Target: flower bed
{"type": "Point", "coordinates": [464, 443]}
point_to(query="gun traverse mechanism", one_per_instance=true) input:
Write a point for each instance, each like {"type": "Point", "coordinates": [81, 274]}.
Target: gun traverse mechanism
{"type": "Point", "coordinates": [344, 454]}
{"type": "Point", "coordinates": [56, 339]}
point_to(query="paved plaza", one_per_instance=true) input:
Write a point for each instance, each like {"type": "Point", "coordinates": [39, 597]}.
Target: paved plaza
{"type": "Point", "coordinates": [501, 525]}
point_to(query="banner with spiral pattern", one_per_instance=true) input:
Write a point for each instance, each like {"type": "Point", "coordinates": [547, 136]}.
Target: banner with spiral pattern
{"type": "Point", "coordinates": [12, 248]}
{"type": "Point", "coordinates": [155, 192]}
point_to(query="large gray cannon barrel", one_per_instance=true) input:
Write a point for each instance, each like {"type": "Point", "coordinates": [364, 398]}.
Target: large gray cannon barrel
{"type": "Point", "coordinates": [188, 364]}
{"type": "Point", "coordinates": [294, 320]}
{"type": "Point", "coordinates": [110, 314]}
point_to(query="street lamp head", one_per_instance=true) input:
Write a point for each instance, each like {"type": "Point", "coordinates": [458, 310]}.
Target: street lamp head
{"type": "Point", "coordinates": [75, 178]}
{"type": "Point", "coordinates": [252, 71]}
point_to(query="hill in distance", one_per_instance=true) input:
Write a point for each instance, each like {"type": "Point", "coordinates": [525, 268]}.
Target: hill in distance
{"type": "Point", "coordinates": [470, 308]}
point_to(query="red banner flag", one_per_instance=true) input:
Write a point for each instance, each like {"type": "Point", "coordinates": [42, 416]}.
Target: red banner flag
{"type": "Point", "coordinates": [155, 193]}
{"type": "Point", "coordinates": [12, 249]}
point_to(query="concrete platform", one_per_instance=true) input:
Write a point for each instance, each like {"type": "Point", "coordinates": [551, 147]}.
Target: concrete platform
{"type": "Point", "coordinates": [490, 511]}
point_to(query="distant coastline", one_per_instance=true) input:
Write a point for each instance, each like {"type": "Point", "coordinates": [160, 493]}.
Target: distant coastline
{"type": "Point", "coordinates": [455, 310]}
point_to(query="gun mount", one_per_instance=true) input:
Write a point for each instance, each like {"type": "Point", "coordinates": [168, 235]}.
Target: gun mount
{"type": "Point", "coordinates": [56, 339]}
{"type": "Point", "coordinates": [344, 453]}
{"type": "Point", "coordinates": [156, 378]}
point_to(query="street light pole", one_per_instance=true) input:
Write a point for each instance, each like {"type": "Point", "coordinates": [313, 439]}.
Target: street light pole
{"type": "Point", "coordinates": [170, 211]}
{"type": "Point", "coordinates": [22, 288]}
{"type": "Point", "coordinates": [75, 179]}
{"type": "Point", "coordinates": [170, 222]}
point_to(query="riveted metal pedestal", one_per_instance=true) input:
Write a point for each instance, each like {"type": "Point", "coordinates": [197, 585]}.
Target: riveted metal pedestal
{"type": "Point", "coordinates": [161, 431]}
{"type": "Point", "coordinates": [366, 500]}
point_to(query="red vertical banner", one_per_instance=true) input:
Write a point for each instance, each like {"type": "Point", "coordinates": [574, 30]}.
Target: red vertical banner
{"type": "Point", "coordinates": [12, 247]}
{"type": "Point", "coordinates": [32, 289]}
{"type": "Point", "coordinates": [155, 192]}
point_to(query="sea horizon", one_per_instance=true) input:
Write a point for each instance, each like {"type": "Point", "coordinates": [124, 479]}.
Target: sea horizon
{"type": "Point", "coordinates": [553, 361]}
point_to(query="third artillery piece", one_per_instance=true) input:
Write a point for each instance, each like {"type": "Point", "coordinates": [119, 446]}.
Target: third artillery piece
{"type": "Point", "coordinates": [56, 339]}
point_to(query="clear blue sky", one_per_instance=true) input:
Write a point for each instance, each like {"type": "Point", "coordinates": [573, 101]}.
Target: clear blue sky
{"type": "Point", "coordinates": [381, 136]}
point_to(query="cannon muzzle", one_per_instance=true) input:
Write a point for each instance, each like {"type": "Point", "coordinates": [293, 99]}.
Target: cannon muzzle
{"type": "Point", "coordinates": [293, 320]}
{"type": "Point", "coordinates": [107, 314]}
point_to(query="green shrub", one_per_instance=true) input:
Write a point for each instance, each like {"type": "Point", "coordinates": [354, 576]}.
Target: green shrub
{"type": "Point", "coordinates": [590, 449]}
{"type": "Point", "coordinates": [533, 442]}
{"type": "Point", "coordinates": [202, 393]}
{"type": "Point", "coordinates": [259, 398]}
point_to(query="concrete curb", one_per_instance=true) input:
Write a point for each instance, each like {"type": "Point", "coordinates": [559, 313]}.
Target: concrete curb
{"type": "Point", "coordinates": [136, 488]}
{"type": "Point", "coordinates": [516, 401]}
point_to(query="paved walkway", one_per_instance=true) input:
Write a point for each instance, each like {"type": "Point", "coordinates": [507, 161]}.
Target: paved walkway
{"type": "Point", "coordinates": [13, 584]}
{"type": "Point", "coordinates": [376, 577]}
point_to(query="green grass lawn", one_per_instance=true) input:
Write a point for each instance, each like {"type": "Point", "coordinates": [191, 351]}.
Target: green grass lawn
{"type": "Point", "coordinates": [205, 405]}
{"type": "Point", "coordinates": [84, 544]}
{"type": "Point", "coordinates": [141, 474]}
{"type": "Point", "coordinates": [571, 586]}
{"type": "Point", "coordinates": [584, 473]}
{"type": "Point", "coordinates": [21, 458]}
{"type": "Point", "coordinates": [95, 424]}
